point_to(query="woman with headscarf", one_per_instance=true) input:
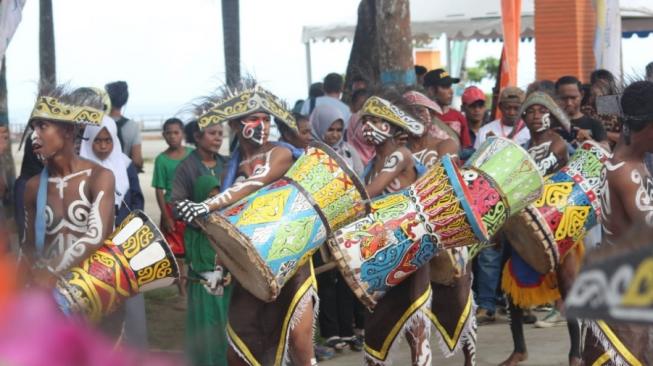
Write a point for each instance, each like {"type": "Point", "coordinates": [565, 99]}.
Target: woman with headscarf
{"type": "Point", "coordinates": [355, 127]}
{"type": "Point", "coordinates": [101, 145]}
{"type": "Point", "coordinates": [336, 299]}
{"type": "Point", "coordinates": [327, 126]}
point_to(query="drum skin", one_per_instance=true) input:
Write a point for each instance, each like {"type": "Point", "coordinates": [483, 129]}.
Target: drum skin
{"type": "Point", "coordinates": [404, 231]}
{"type": "Point", "coordinates": [448, 265]}
{"type": "Point", "coordinates": [134, 259]}
{"type": "Point", "coordinates": [265, 237]}
{"type": "Point", "coordinates": [569, 206]}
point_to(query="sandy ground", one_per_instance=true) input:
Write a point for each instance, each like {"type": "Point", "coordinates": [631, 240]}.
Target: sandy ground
{"type": "Point", "coordinates": [166, 321]}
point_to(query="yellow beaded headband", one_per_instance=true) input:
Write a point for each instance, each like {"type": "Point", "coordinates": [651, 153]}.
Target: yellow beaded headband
{"type": "Point", "coordinates": [51, 109]}
{"type": "Point", "coordinates": [379, 107]}
{"type": "Point", "coordinates": [245, 103]}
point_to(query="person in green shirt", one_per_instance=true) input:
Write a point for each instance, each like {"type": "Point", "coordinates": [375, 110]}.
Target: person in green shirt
{"type": "Point", "coordinates": [196, 177]}
{"type": "Point", "coordinates": [165, 165]}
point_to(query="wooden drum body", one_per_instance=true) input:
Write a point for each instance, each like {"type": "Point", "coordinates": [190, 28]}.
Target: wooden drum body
{"type": "Point", "coordinates": [404, 231]}
{"type": "Point", "coordinates": [502, 179]}
{"type": "Point", "coordinates": [569, 206]}
{"type": "Point", "coordinates": [265, 237]}
{"type": "Point", "coordinates": [134, 259]}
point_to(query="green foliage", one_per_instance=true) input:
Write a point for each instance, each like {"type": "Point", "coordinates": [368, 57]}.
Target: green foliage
{"type": "Point", "coordinates": [486, 68]}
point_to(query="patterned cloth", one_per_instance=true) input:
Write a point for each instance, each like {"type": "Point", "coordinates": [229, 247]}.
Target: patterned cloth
{"type": "Point", "coordinates": [404, 308]}
{"type": "Point", "coordinates": [258, 331]}
{"type": "Point", "coordinates": [452, 313]}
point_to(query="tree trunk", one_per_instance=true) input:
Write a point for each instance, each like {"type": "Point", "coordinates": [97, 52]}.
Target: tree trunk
{"type": "Point", "coordinates": [231, 37]}
{"type": "Point", "coordinates": [48, 65]}
{"type": "Point", "coordinates": [7, 169]}
{"type": "Point", "coordinates": [382, 51]}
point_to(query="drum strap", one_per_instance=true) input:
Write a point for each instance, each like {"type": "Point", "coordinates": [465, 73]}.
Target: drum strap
{"type": "Point", "coordinates": [39, 222]}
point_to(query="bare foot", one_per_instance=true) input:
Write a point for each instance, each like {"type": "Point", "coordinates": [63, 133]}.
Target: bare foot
{"type": "Point", "coordinates": [514, 359]}
{"type": "Point", "coordinates": [575, 361]}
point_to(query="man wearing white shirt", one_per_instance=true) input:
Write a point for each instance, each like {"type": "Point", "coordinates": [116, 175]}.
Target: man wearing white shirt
{"type": "Point", "coordinates": [333, 89]}
{"type": "Point", "coordinates": [487, 271]}
{"type": "Point", "coordinates": [510, 100]}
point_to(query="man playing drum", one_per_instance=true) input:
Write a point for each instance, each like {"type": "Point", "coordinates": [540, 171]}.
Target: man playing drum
{"type": "Point", "coordinates": [524, 286]}
{"type": "Point", "coordinates": [627, 206]}
{"type": "Point", "coordinates": [259, 332]}
{"type": "Point", "coordinates": [403, 309]}
{"type": "Point", "coordinates": [452, 303]}
{"type": "Point", "coordinates": [69, 207]}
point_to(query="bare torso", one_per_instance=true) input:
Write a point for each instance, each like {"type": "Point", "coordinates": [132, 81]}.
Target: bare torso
{"type": "Point", "coordinates": [397, 167]}
{"type": "Point", "coordinates": [626, 199]}
{"type": "Point", "coordinates": [79, 214]}
{"type": "Point", "coordinates": [549, 152]}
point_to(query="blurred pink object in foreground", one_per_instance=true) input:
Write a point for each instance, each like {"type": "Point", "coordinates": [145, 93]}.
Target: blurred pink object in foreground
{"type": "Point", "coordinates": [33, 332]}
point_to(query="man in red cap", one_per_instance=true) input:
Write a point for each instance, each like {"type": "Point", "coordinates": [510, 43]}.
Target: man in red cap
{"type": "Point", "coordinates": [474, 109]}
{"type": "Point", "coordinates": [438, 87]}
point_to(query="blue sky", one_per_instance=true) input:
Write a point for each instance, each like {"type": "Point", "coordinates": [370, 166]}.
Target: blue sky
{"type": "Point", "coordinates": [171, 51]}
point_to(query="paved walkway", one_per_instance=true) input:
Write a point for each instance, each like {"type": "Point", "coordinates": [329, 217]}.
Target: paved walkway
{"type": "Point", "coordinates": [545, 346]}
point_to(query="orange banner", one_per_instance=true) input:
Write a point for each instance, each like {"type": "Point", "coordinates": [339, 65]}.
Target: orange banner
{"type": "Point", "coordinates": [511, 21]}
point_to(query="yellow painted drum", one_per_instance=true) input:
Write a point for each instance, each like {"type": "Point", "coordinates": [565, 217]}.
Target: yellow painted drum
{"type": "Point", "coordinates": [134, 259]}
{"type": "Point", "coordinates": [263, 238]}
{"type": "Point", "coordinates": [569, 206]}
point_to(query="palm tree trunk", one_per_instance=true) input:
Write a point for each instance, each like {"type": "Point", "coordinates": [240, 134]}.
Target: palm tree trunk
{"type": "Point", "coordinates": [382, 51]}
{"type": "Point", "coordinates": [231, 36]}
{"type": "Point", "coordinates": [46, 46]}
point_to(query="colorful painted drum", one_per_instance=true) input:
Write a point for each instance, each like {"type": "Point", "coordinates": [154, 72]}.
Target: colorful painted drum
{"type": "Point", "coordinates": [569, 206]}
{"type": "Point", "coordinates": [502, 179]}
{"type": "Point", "coordinates": [263, 238]}
{"type": "Point", "coordinates": [134, 259]}
{"type": "Point", "coordinates": [404, 231]}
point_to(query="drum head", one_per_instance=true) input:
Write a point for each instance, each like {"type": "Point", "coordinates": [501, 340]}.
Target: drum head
{"type": "Point", "coordinates": [530, 237]}
{"type": "Point", "coordinates": [236, 252]}
{"type": "Point", "coordinates": [343, 260]}
{"type": "Point", "coordinates": [443, 268]}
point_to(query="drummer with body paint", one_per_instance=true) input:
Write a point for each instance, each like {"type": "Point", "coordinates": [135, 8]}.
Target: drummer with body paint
{"type": "Point", "coordinates": [402, 312]}
{"type": "Point", "coordinates": [69, 207]}
{"type": "Point", "coordinates": [627, 208]}
{"type": "Point", "coordinates": [523, 285]}
{"type": "Point", "coordinates": [259, 332]}
{"type": "Point", "coordinates": [451, 303]}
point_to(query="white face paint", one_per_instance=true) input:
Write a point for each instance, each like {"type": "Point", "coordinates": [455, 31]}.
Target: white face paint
{"type": "Point", "coordinates": [36, 142]}
{"type": "Point", "coordinates": [546, 122]}
{"type": "Point", "coordinates": [254, 129]}
{"type": "Point", "coordinates": [374, 135]}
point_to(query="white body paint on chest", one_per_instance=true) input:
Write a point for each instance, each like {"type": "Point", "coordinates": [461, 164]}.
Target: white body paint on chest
{"type": "Point", "coordinates": [80, 228]}
{"type": "Point", "coordinates": [259, 172]}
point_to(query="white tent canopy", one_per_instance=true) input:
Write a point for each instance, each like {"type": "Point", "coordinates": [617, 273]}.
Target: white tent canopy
{"type": "Point", "coordinates": [473, 19]}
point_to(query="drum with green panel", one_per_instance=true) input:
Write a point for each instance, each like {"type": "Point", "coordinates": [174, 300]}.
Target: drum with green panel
{"type": "Point", "coordinates": [265, 237]}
